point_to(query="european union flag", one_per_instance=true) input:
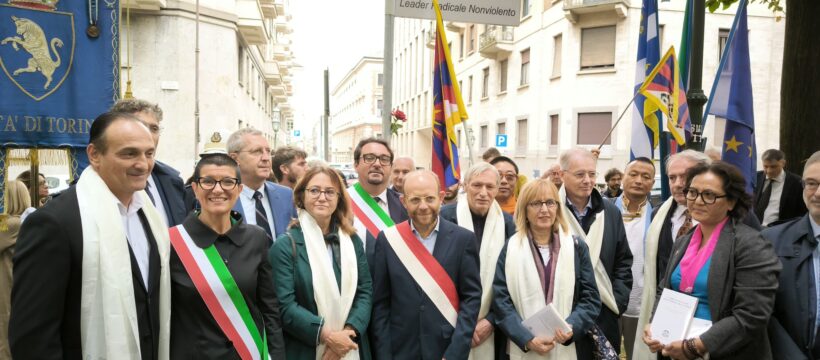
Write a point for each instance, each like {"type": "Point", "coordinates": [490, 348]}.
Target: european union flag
{"type": "Point", "coordinates": [732, 99]}
{"type": "Point", "coordinates": [448, 110]}
{"type": "Point", "coordinates": [646, 125]}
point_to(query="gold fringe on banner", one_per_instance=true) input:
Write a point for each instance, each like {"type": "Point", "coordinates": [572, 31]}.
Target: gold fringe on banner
{"type": "Point", "coordinates": [47, 157]}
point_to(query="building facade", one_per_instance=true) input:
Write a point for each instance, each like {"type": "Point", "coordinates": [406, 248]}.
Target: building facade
{"type": "Point", "coordinates": [355, 108]}
{"type": "Point", "coordinates": [245, 66]}
{"type": "Point", "coordinates": [562, 77]}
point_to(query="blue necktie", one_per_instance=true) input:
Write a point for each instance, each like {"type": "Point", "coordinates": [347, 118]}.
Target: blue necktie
{"type": "Point", "coordinates": [262, 215]}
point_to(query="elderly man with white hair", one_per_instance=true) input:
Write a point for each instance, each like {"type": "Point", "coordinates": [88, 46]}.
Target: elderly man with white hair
{"type": "Point", "coordinates": [476, 210]}
{"type": "Point", "coordinates": [599, 223]}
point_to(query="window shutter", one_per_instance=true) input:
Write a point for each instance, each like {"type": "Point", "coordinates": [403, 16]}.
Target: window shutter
{"type": "Point", "coordinates": [598, 47]}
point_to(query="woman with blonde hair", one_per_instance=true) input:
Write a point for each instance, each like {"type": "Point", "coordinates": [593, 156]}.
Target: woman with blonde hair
{"type": "Point", "coordinates": [321, 274]}
{"type": "Point", "coordinates": [544, 264]}
{"type": "Point", "coordinates": [17, 201]}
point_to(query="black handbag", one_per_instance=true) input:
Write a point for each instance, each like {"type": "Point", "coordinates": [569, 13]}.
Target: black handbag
{"type": "Point", "coordinates": [601, 348]}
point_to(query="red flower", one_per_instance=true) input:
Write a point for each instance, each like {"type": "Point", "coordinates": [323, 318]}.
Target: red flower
{"type": "Point", "coordinates": [399, 115]}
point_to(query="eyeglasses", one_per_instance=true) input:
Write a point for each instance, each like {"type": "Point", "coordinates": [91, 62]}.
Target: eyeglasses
{"type": "Point", "coordinates": [208, 183]}
{"type": "Point", "coordinates": [384, 160]}
{"type": "Point", "coordinates": [811, 185]}
{"type": "Point", "coordinates": [707, 196]}
{"type": "Point", "coordinates": [510, 177]}
{"type": "Point", "coordinates": [581, 174]}
{"type": "Point", "coordinates": [415, 201]}
{"type": "Point", "coordinates": [537, 205]}
{"type": "Point", "coordinates": [330, 194]}
{"type": "Point", "coordinates": [258, 152]}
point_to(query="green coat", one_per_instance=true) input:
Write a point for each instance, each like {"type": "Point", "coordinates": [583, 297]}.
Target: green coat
{"type": "Point", "coordinates": [293, 281]}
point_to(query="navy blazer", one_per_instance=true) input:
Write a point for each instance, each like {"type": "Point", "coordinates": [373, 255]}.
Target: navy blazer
{"type": "Point", "coordinates": [792, 321]}
{"type": "Point", "coordinates": [172, 192]}
{"type": "Point", "coordinates": [397, 213]}
{"type": "Point", "coordinates": [791, 199]}
{"type": "Point", "coordinates": [281, 204]}
{"type": "Point", "coordinates": [405, 322]}
{"type": "Point", "coordinates": [586, 304]}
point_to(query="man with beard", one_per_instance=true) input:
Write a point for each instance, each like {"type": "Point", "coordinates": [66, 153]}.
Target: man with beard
{"type": "Point", "coordinates": [639, 176]}
{"type": "Point", "coordinates": [613, 183]}
{"type": "Point", "coordinates": [450, 194]}
{"type": "Point", "coordinates": [375, 207]}
{"type": "Point", "coordinates": [480, 213]}
{"type": "Point", "coordinates": [426, 285]}
{"type": "Point", "coordinates": [598, 222]}
{"type": "Point", "coordinates": [261, 203]}
{"type": "Point", "coordinates": [508, 171]}
{"type": "Point", "coordinates": [289, 165]}
{"type": "Point", "coordinates": [401, 167]}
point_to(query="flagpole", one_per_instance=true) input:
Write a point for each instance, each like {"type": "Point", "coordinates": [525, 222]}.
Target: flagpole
{"type": "Point", "coordinates": [387, 63]}
{"type": "Point", "coordinates": [627, 107]}
{"type": "Point", "coordinates": [468, 136]}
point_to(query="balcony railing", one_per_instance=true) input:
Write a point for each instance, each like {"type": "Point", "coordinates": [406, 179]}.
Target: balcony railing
{"type": "Point", "coordinates": [575, 8]}
{"type": "Point", "coordinates": [496, 39]}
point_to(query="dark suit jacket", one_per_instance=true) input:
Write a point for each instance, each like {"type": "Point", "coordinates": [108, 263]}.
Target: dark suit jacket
{"type": "Point", "coordinates": [791, 199]}
{"type": "Point", "coordinates": [397, 213]}
{"type": "Point", "coordinates": [448, 212]}
{"type": "Point", "coordinates": [281, 204]}
{"type": "Point", "coordinates": [45, 298]}
{"type": "Point", "coordinates": [195, 333]}
{"type": "Point", "coordinates": [741, 290]}
{"type": "Point", "coordinates": [586, 303]}
{"type": "Point", "coordinates": [294, 287]}
{"type": "Point", "coordinates": [617, 260]}
{"type": "Point", "coordinates": [405, 322]}
{"type": "Point", "coordinates": [171, 190]}
{"type": "Point", "coordinates": [792, 323]}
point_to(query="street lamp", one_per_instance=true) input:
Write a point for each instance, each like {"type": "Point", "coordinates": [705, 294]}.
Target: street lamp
{"type": "Point", "coordinates": [276, 122]}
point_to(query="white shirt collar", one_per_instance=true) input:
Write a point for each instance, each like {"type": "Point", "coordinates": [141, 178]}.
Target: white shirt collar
{"type": "Point", "coordinates": [248, 192]}
{"type": "Point", "coordinates": [382, 196]}
{"type": "Point", "coordinates": [136, 205]}
{"type": "Point", "coordinates": [782, 177]}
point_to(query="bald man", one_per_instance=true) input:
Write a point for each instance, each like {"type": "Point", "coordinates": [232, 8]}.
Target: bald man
{"type": "Point", "coordinates": [401, 167]}
{"type": "Point", "coordinates": [426, 285]}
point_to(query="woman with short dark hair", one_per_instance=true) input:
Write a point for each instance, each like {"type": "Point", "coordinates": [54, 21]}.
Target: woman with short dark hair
{"type": "Point", "coordinates": [728, 266]}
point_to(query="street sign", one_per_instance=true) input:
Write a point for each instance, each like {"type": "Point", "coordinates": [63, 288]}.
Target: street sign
{"type": "Point", "coordinates": [497, 12]}
{"type": "Point", "coordinates": [501, 141]}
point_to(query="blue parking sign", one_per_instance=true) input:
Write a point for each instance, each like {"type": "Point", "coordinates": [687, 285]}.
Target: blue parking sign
{"type": "Point", "coordinates": [501, 140]}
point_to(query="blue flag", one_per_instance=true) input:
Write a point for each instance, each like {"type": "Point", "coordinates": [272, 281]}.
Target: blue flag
{"type": "Point", "coordinates": [731, 98]}
{"type": "Point", "coordinates": [646, 127]}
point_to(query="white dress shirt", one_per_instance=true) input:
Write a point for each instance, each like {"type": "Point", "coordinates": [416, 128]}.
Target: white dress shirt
{"type": "Point", "coordinates": [154, 190]}
{"type": "Point", "coordinates": [249, 207]}
{"type": "Point", "coordinates": [772, 212]}
{"type": "Point", "coordinates": [381, 199]}
{"type": "Point", "coordinates": [678, 218]}
{"type": "Point", "coordinates": [135, 234]}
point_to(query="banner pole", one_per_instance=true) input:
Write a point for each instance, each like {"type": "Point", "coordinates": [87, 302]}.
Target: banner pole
{"type": "Point", "coordinates": [617, 121]}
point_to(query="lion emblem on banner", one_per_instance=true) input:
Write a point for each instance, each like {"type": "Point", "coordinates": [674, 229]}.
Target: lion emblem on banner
{"type": "Point", "coordinates": [33, 40]}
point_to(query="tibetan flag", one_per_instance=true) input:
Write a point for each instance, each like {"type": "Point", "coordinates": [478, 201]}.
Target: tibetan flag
{"type": "Point", "coordinates": [664, 88]}
{"type": "Point", "coordinates": [731, 98]}
{"type": "Point", "coordinates": [645, 115]}
{"type": "Point", "coordinates": [448, 110]}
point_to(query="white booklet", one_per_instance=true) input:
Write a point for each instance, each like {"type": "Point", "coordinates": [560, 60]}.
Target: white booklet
{"type": "Point", "coordinates": [545, 322]}
{"type": "Point", "coordinates": [673, 316]}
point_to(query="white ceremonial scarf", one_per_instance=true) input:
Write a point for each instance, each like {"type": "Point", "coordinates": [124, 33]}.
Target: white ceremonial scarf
{"type": "Point", "coordinates": [492, 242]}
{"type": "Point", "coordinates": [594, 240]}
{"type": "Point", "coordinates": [332, 303]}
{"type": "Point", "coordinates": [650, 277]}
{"type": "Point", "coordinates": [108, 316]}
{"type": "Point", "coordinates": [527, 293]}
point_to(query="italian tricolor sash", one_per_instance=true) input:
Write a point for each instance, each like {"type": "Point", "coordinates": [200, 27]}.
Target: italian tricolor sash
{"type": "Point", "coordinates": [222, 296]}
{"type": "Point", "coordinates": [425, 270]}
{"type": "Point", "coordinates": [368, 213]}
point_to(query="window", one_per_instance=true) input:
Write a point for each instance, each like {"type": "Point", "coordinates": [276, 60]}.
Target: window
{"type": "Point", "coordinates": [592, 127]}
{"type": "Point", "coordinates": [379, 105]}
{"type": "Point", "coordinates": [484, 135]}
{"type": "Point", "coordinates": [380, 80]}
{"type": "Point", "coordinates": [501, 128]}
{"type": "Point", "coordinates": [241, 66]}
{"type": "Point", "coordinates": [723, 38]}
{"type": "Point", "coordinates": [470, 89]}
{"type": "Point", "coordinates": [554, 129]}
{"type": "Point", "coordinates": [461, 45]}
{"type": "Point", "coordinates": [502, 75]}
{"type": "Point", "coordinates": [598, 48]}
{"type": "Point", "coordinates": [485, 83]}
{"type": "Point", "coordinates": [556, 55]}
{"type": "Point", "coordinates": [525, 67]}
{"type": "Point", "coordinates": [521, 137]}
{"type": "Point", "coordinates": [660, 35]}
{"type": "Point", "coordinates": [471, 39]}
{"type": "Point", "coordinates": [525, 8]}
